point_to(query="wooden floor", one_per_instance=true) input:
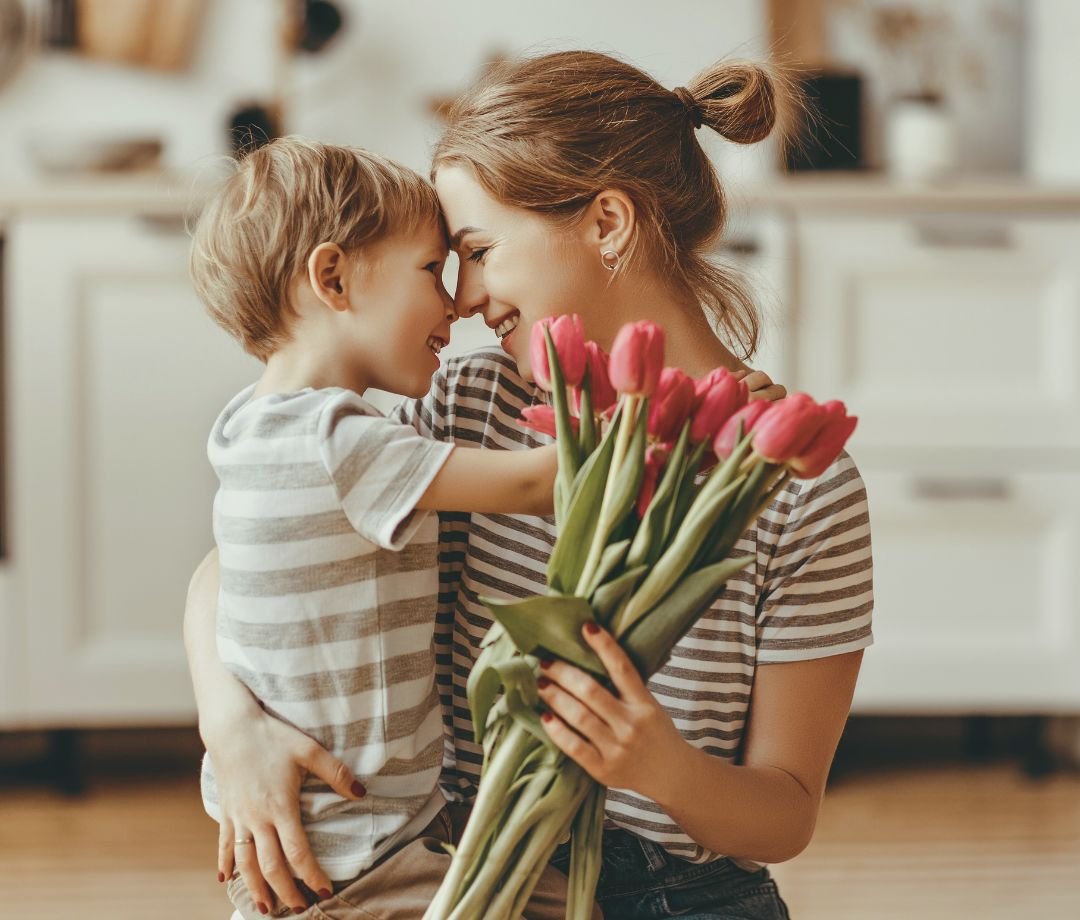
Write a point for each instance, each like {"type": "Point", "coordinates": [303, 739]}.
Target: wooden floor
{"type": "Point", "coordinates": [924, 842]}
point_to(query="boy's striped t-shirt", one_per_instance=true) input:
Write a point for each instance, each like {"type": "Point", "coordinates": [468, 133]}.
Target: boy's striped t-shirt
{"type": "Point", "coordinates": [808, 593]}
{"type": "Point", "coordinates": [327, 603]}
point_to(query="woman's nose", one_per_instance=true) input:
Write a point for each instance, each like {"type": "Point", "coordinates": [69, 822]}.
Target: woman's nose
{"type": "Point", "coordinates": [470, 297]}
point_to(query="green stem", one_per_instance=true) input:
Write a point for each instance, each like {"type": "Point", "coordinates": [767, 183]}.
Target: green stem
{"type": "Point", "coordinates": [490, 802]}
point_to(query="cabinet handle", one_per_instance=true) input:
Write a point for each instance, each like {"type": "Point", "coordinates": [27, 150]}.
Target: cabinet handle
{"type": "Point", "coordinates": [948, 488]}
{"type": "Point", "coordinates": [963, 236]}
{"type": "Point", "coordinates": [740, 247]}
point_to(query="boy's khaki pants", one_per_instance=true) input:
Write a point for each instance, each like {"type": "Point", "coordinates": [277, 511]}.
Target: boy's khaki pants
{"type": "Point", "coordinates": [403, 883]}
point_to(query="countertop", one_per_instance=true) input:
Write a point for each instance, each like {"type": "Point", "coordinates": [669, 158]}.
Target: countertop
{"type": "Point", "coordinates": [170, 195]}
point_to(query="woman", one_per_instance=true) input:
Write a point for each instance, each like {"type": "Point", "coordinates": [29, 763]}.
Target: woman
{"type": "Point", "coordinates": [574, 183]}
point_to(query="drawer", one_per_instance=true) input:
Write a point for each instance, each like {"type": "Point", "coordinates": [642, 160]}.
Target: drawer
{"type": "Point", "coordinates": [976, 592]}
{"type": "Point", "coordinates": [943, 330]}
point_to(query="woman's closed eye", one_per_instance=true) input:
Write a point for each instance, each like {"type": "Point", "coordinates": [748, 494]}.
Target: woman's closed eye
{"type": "Point", "coordinates": [477, 255]}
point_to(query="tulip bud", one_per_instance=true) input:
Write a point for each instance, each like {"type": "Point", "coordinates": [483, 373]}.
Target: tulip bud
{"type": "Point", "coordinates": [600, 388]}
{"type": "Point", "coordinates": [787, 430]}
{"type": "Point", "coordinates": [670, 404]}
{"type": "Point", "coordinates": [718, 396]}
{"type": "Point", "coordinates": [726, 440]}
{"type": "Point", "coordinates": [637, 357]}
{"type": "Point", "coordinates": [542, 419]}
{"type": "Point", "coordinates": [569, 337]}
{"type": "Point", "coordinates": [823, 450]}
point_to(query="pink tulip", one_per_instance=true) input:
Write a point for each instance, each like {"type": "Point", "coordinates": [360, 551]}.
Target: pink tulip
{"type": "Point", "coordinates": [542, 419]}
{"type": "Point", "coordinates": [655, 458]}
{"type": "Point", "coordinates": [569, 337]}
{"type": "Point", "coordinates": [788, 428]}
{"type": "Point", "coordinates": [603, 393]}
{"type": "Point", "coordinates": [725, 441]}
{"type": "Point", "coordinates": [718, 396]}
{"type": "Point", "coordinates": [637, 357]}
{"type": "Point", "coordinates": [670, 404]}
{"type": "Point", "coordinates": [823, 450]}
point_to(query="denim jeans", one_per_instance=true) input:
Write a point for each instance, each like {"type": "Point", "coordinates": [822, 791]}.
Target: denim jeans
{"type": "Point", "coordinates": [641, 881]}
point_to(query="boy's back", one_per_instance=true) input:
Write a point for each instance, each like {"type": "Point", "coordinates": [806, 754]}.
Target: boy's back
{"type": "Point", "coordinates": [328, 591]}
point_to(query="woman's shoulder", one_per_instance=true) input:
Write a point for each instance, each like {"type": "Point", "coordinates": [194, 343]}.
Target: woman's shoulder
{"type": "Point", "coordinates": [488, 374]}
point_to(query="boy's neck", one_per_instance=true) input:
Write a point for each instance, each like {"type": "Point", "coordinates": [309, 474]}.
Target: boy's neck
{"type": "Point", "coordinates": [295, 367]}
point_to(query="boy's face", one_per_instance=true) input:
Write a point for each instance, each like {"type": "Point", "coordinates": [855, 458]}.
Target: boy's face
{"type": "Point", "coordinates": [405, 312]}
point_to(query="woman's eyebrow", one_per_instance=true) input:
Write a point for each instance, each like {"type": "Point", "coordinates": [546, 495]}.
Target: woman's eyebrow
{"type": "Point", "coordinates": [455, 240]}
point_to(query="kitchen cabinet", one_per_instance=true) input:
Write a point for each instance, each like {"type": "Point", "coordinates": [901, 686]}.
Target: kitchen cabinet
{"type": "Point", "coordinates": [115, 376]}
{"type": "Point", "coordinates": [949, 321]}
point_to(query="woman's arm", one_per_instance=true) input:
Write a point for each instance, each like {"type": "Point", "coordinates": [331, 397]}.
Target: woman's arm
{"type": "Point", "coordinates": [764, 809]}
{"type": "Point", "coordinates": [495, 481]}
{"type": "Point", "coordinates": [259, 764]}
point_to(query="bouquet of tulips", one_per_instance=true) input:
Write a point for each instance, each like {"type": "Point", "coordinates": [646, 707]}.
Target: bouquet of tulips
{"type": "Point", "coordinates": [659, 475]}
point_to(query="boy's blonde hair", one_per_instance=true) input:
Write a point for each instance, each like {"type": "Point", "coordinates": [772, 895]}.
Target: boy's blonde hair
{"type": "Point", "coordinates": [254, 237]}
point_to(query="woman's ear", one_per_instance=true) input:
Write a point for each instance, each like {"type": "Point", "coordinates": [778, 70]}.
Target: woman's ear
{"type": "Point", "coordinates": [327, 275]}
{"type": "Point", "coordinates": [611, 220]}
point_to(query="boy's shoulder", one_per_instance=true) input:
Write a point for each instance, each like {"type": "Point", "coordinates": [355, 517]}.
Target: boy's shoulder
{"type": "Point", "coordinates": [279, 416]}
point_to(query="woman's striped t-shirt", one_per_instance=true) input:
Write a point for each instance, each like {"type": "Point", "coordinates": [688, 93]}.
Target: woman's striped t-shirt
{"type": "Point", "coordinates": [808, 595]}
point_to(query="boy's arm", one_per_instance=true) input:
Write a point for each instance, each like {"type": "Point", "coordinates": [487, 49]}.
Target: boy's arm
{"type": "Point", "coordinates": [494, 481]}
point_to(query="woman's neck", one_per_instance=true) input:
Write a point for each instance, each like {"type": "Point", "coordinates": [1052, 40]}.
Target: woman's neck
{"type": "Point", "coordinates": [690, 342]}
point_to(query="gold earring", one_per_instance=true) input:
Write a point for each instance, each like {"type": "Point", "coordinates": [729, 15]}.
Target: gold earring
{"type": "Point", "coordinates": [610, 259]}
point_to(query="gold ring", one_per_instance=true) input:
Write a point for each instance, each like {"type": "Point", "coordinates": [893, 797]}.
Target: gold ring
{"type": "Point", "coordinates": [238, 842]}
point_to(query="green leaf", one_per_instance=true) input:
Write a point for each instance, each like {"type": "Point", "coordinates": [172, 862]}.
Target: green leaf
{"type": "Point", "coordinates": [587, 432]}
{"type": "Point", "coordinates": [569, 454]}
{"type": "Point", "coordinates": [677, 557]}
{"type": "Point", "coordinates": [608, 596]}
{"type": "Point", "coordinates": [484, 680]}
{"type": "Point", "coordinates": [576, 535]}
{"type": "Point", "coordinates": [650, 640]}
{"type": "Point", "coordinates": [611, 559]}
{"type": "Point", "coordinates": [548, 623]}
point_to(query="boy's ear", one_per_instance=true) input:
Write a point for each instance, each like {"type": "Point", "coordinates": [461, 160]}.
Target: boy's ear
{"type": "Point", "coordinates": [327, 270]}
{"type": "Point", "coordinates": [610, 220]}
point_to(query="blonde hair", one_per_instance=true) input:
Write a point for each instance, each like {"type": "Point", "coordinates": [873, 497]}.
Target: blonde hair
{"type": "Point", "coordinates": [254, 237]}
{"type": "Point", "coordinates": [549, 133]}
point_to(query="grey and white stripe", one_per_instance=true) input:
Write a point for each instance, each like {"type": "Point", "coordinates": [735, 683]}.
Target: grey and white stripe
{"type": "Point", "coordinates": [327, 603]}
{"type": "Point", "coordinates": [809, 593]}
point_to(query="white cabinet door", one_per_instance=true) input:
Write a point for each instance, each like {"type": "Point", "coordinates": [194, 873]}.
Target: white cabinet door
{"type": "Point", "coordinates": [116, 377]}
{"type": "Point", "coordinates": [947, 331]}
{"type": "Point", "coordinates": [977, 607]}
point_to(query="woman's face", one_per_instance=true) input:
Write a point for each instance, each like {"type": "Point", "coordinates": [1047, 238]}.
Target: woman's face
{"type": "Point", "coordinates": [516, 268]}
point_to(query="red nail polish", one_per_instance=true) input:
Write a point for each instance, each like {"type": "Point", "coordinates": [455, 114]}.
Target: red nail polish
{"type": "Point", "coordinates": [547, 663]}
{"type": "Point", "coordinates": [546, 717]}
{"type": "Point", "coordinates": [324, 893]}
{"type": "Point", "coordinates": [262, 908]}
{"type": "Point", "coordinates": [592, 629]}
{"type": "Point", "coordinates": [358, 790]}
{"type": "Point", "coordinates": [542, 683]}
{"type": "Point", "coordinates": [221, 877]}
{"type": "Point", "coordinates": [298, 910]}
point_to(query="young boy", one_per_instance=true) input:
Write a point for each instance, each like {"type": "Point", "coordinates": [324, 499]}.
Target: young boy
{"type": "Point", "coordinates": [326, 263]}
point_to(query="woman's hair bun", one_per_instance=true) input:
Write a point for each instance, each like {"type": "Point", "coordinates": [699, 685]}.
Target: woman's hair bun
{"type": "Point", "coordinates": [738, 100]}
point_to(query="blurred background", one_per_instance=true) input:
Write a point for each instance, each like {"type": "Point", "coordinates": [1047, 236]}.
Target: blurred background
{"type": "Point", "coordinates": [917, 256]}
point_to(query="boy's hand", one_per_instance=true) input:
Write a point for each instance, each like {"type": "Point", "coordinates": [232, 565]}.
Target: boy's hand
{"type": "Point", "coordinates": [760, 385]}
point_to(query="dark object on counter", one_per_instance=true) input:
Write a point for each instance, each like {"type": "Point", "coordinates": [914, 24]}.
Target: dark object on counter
{"type": "Point", "coordinates": [251, 127]}
{"type": "Point", "coordinates": [58, 27]}
{"type": "Point", "coordinates": [320, 21]}
{"type": "Point", "coordinates": [830, 132]}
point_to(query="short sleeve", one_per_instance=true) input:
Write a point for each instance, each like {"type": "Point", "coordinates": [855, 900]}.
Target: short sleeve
{"type": "Point", "coordinates": [426, 415]}
{"type": "Point", "coordinates": [379, 467]}
{"type": "Point", "coordinates": [818, 596]}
